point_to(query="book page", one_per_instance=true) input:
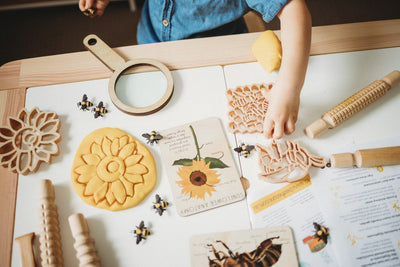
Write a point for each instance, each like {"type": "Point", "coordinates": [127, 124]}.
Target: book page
{"type": "Point", "coordinates": [362, 206]}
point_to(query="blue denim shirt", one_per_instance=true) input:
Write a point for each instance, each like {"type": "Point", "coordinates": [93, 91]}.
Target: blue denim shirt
{"type": "Point", "coordinates": [168, 20]}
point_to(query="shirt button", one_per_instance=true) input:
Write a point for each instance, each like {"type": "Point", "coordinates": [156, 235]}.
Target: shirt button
{"type": "Point", "coordinates": [165, 22]}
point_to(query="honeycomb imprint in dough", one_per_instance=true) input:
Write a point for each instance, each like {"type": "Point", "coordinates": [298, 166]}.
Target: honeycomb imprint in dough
{"type": "Point", "coordinates": [280, 162]}
{"type": "Point", "coordinates": [112, 170]}
{"type": "Point", "coordinates": [30, 139]}
{"type": "Point", "coordinates": [247, 108]}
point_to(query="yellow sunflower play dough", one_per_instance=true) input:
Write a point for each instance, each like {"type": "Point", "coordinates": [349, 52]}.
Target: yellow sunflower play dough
{"type": "Point", "coordinates": [112, 170]}
{"type": "Point", "coordinates": [267, 49]}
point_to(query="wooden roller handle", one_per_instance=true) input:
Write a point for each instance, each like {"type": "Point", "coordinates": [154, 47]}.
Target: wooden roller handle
{"type": "Point", "coordinates": [353, 104]}
{"type": "Point", "coordinates": [84, 244]}
{"type": "Point", "coordinates": [367, 158]}
{"type": "Point", "coordinates": [50, 238]}
{"type": "Point", "coordinates": [25, 245]}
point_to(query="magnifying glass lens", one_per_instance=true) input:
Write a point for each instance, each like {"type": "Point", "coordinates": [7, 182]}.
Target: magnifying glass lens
{"type": "Point", "coordinates": [140, 90]}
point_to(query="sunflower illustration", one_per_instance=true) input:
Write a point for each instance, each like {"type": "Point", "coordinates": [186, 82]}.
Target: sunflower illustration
{"type": "Point", "coordinates": [114, 172]}
{"type": "Point", "coordinates": [197, 176]}
{"type": "Point", "coordinates": [198, 179]}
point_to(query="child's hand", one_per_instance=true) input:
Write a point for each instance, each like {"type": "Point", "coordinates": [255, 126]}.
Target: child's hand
{"type": "Point", "coordinates": [99, 5]}
{"type": "Point", "coordinates": [282, 111]}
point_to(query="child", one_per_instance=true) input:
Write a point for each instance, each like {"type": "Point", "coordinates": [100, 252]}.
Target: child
{"type": "Point", "coordinates": [167, 20]}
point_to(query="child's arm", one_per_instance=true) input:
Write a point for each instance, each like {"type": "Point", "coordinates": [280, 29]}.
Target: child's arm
{"type": "Point", "coordinates": [285, 95]}
{"type": "Point", "coordinates": [100, 6]}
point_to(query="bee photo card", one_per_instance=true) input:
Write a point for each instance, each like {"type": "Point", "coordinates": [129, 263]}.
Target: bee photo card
{"type": "Point", "coordinates": [272, 246]}
{"type": "Point", "coordinates": [200, 167]}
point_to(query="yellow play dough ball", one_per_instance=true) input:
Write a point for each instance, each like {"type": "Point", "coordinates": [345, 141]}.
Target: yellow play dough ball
{"type": "Point", "coordinates": [267, 49]}
{"type": "Point", "coordinates": [112, 170]}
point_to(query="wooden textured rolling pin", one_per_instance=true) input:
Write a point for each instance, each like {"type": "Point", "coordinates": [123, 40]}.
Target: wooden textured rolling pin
{"type": "Point", "coordinates": [50, 239]}
{"type": "Point", "coordinates": [353, 104]}
{"type": "Point", "coordinates": [367, 158]}
{"type": "Point", "coordinates": [84, 244]}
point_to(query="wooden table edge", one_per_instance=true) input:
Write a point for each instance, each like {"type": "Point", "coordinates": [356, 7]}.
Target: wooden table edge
{"type": "Point", "coordinates": [222, 50]}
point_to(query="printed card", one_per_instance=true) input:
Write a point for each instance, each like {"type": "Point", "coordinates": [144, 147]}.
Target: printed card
{"type": "Point", "coordinates": [200, 167]}
{"type": "Point", "coordinates": [272, 246]}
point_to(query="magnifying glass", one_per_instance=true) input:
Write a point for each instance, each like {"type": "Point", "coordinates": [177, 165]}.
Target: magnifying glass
{"type": "Point", "coordinates": [139, 98]}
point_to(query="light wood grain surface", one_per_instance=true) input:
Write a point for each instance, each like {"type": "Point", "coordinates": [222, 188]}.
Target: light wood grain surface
{"type": "Point", "coordinates": [211, 51]}
{"type": "Point", "coordinates": [224, 50]}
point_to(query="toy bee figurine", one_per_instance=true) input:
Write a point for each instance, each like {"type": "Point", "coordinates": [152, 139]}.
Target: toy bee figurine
{"type": "Point", "coordinates": [160, 205]}
{"type": "Point", "coordinates": [84, 104]}
{"type": "Point", "coordinates": [99, 110]}
{"type": "Point", "coordinates": [321, 232]}
{"type": "Point", "coordinates": [141, 232]}
{"type": "Point", "coordinates": [153, 137]}
{"type": "Point", "coordinates": [244, 150]}
{"type": "Point", "coordinates": [90, 12]}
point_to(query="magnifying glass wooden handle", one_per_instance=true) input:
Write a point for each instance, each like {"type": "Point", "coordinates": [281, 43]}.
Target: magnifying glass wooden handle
{"type": "Point", "coordinates": [103, 52]}
{"type": "Point", "coordinates": [117, 64]}
{"type": "Point", "coordinates": [367, 158]}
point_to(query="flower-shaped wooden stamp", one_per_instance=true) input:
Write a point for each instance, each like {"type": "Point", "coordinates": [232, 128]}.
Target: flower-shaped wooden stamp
{"type": "Point", "coordinates": [112, 170]}
{"type": "Point", "coordinates": [29, 139]}
{"type": "Point", "coordinates": [280, 162]}
{"type": "Point", "coordinates": [247, 108]}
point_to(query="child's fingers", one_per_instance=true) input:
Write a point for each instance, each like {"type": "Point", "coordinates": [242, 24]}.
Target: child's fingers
{"type": "Point", "coordinates": [82, 4]}
{"type": "Point", "coordinates": [278, 131]}
{"type": "Point", "coordinates": [268, 128]}
{"type": "Point", "coordinates": [89, 4]}
{"type": "Point", "coordinates": [290, 126]}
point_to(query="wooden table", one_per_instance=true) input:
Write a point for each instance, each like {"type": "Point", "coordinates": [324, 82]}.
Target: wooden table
{"type": "Point", "coordinates": [17, 76]}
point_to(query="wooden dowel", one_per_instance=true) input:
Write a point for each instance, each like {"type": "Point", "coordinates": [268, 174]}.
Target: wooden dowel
{"type": "Point", "coordinates": [25, 245]}
{"type": "Point", "coordinates": [367, 158]}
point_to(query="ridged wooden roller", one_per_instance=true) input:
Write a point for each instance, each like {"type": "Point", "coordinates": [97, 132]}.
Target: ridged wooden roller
{"type": "Point", "coordinates": [84, 244]}
{"type": "Point", "coordinates": [353, 104]}
{"type": "Point", "coordinates": [50, 239]}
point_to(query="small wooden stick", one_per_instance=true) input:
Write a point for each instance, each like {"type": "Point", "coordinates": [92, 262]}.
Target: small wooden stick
{"type": "Point", "coordinates": [25, 245]}
{"type": "Point", "coordinates": [353, 104]}
{"type": "Point", "coordinates": [367, 158]}
{"type": "Point", "coordinates": [84, 244]}
{"type": "Point", "coordinates": [50, 239]}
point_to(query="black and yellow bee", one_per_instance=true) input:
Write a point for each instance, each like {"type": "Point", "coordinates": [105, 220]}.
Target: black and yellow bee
{"type": "Point", "coordinates": [141, 232]}
{"type": "Point", "coordinates": [99, 110]}
{"type": "Point", "coordinates": [152, 137]}
{"type": "Point", "coordinates": [84, 104]}
{"type": "Point", "coordinates": [244, 150]}
{"type": "Point", "coordinates": [160, 205]}
{"type": "Point", "coordinates": [321, 232]}
{"type": "Point", "coordinates": [90, 12]}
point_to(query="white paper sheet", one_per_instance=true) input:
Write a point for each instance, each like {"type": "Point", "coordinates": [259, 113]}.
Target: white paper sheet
{"type": "Point", "coordinates": [363, 207]}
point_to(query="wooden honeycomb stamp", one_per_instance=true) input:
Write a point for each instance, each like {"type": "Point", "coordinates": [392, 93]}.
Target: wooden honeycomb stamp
{"type": "Point", "coordinates": [285, 161]}
{"type": "Point", "coordinates": [30, 139]}
{"type": "Point", "coordinates": [247, 108]}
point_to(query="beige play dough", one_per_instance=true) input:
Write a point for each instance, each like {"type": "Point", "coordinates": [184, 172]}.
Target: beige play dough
{"type": "Point", "coordinates": [267, 49]}
{"type": "Point", "coordinates": [112, 170]}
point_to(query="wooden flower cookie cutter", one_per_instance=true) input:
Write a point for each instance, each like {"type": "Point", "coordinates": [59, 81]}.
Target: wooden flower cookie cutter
{"type": "Point", "coordinates": [280, 162]}
{"type": "Point", "coordinates": [30, 138]}
{"type": "Point", "coordinates": [116, 63]}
